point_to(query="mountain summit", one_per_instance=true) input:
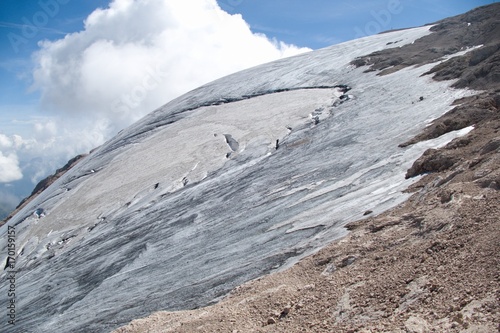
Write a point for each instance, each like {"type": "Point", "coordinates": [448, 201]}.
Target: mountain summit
{"type": "Point", "coordinates": [251, 173]}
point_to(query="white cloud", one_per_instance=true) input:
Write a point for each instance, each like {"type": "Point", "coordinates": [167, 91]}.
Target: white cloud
{"type": "Point", "coordinates": [51, 143]}
{"type": "Point", "coordinates": [5, 141]}
{"type": "Point", "coordinates": [137, 55]}
{"type": "Point", "coordinates": [9, 168]}
{"type": "Point", "coordinates": [9, 163]}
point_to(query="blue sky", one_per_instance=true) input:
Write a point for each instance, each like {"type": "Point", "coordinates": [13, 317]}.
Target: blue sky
{"type": "Point", "coordinates": [320, 23]}
{"type": "Point", "coordinates": [69, 81]}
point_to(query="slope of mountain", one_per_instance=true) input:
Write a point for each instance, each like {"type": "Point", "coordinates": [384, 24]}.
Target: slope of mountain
{"type": "Point", "coordinates": [238, 178]}
{"type": "Point", "coordinates": [42, 186]}
{"type": "Point", "coordinates": [428, 265]}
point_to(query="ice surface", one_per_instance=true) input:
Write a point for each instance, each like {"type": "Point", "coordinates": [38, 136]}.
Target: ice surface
{"type": "Point", "coordinates": [197, 197]}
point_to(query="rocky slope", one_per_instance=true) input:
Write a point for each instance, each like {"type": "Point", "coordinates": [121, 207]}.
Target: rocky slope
{"type": "Point", "coordinates": [431, 264]}
{"type": "Point", "coordinates": [247, 175]}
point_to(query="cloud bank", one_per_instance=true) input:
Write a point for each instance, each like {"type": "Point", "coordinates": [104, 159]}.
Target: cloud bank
{"type": "Point", "coordinates": [135, 56]}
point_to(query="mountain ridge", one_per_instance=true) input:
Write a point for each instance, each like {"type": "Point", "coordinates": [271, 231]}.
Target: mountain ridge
{"type": "Point", "coordinates": [306, 175]}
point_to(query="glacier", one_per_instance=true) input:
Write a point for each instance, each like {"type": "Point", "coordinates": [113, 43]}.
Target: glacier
{"type": "Point", "coordinates": [238, 178]}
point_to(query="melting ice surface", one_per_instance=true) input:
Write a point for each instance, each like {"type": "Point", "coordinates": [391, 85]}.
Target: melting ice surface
{"type": "Point", "coordinates": [233, 180]}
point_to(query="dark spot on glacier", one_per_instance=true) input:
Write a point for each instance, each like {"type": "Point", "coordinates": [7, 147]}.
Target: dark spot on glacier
{"type": "Point", "coordinates": [39, 213]}
{"type": "Point", "coordinates": [7, 263]}
{"type": "Point", "coordinates": [231, 142]}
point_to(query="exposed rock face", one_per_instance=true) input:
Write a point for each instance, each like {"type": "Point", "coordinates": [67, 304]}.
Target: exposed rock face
{"type": "Point", "coordinates": [478, 69]}
{"type": "Point", "coordinates": [471, 111]}
{"type": "Point", "coordinates": [483, 112]}
{"type": "Point", "coordinates": [432, 161]}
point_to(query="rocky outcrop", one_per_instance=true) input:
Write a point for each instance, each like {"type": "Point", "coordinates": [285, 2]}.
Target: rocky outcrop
{"type": "Point", "coordinates": [478, 69]}
{"type": "Point", "coordinates": [471, 111]}
{"type": "Point", "coordinates": [482, 112]}
{"type": "Point", "coordinates": [433, 160]}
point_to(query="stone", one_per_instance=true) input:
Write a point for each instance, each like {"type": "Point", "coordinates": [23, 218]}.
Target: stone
{"type": "Point", "coordinates": [416, 325]}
